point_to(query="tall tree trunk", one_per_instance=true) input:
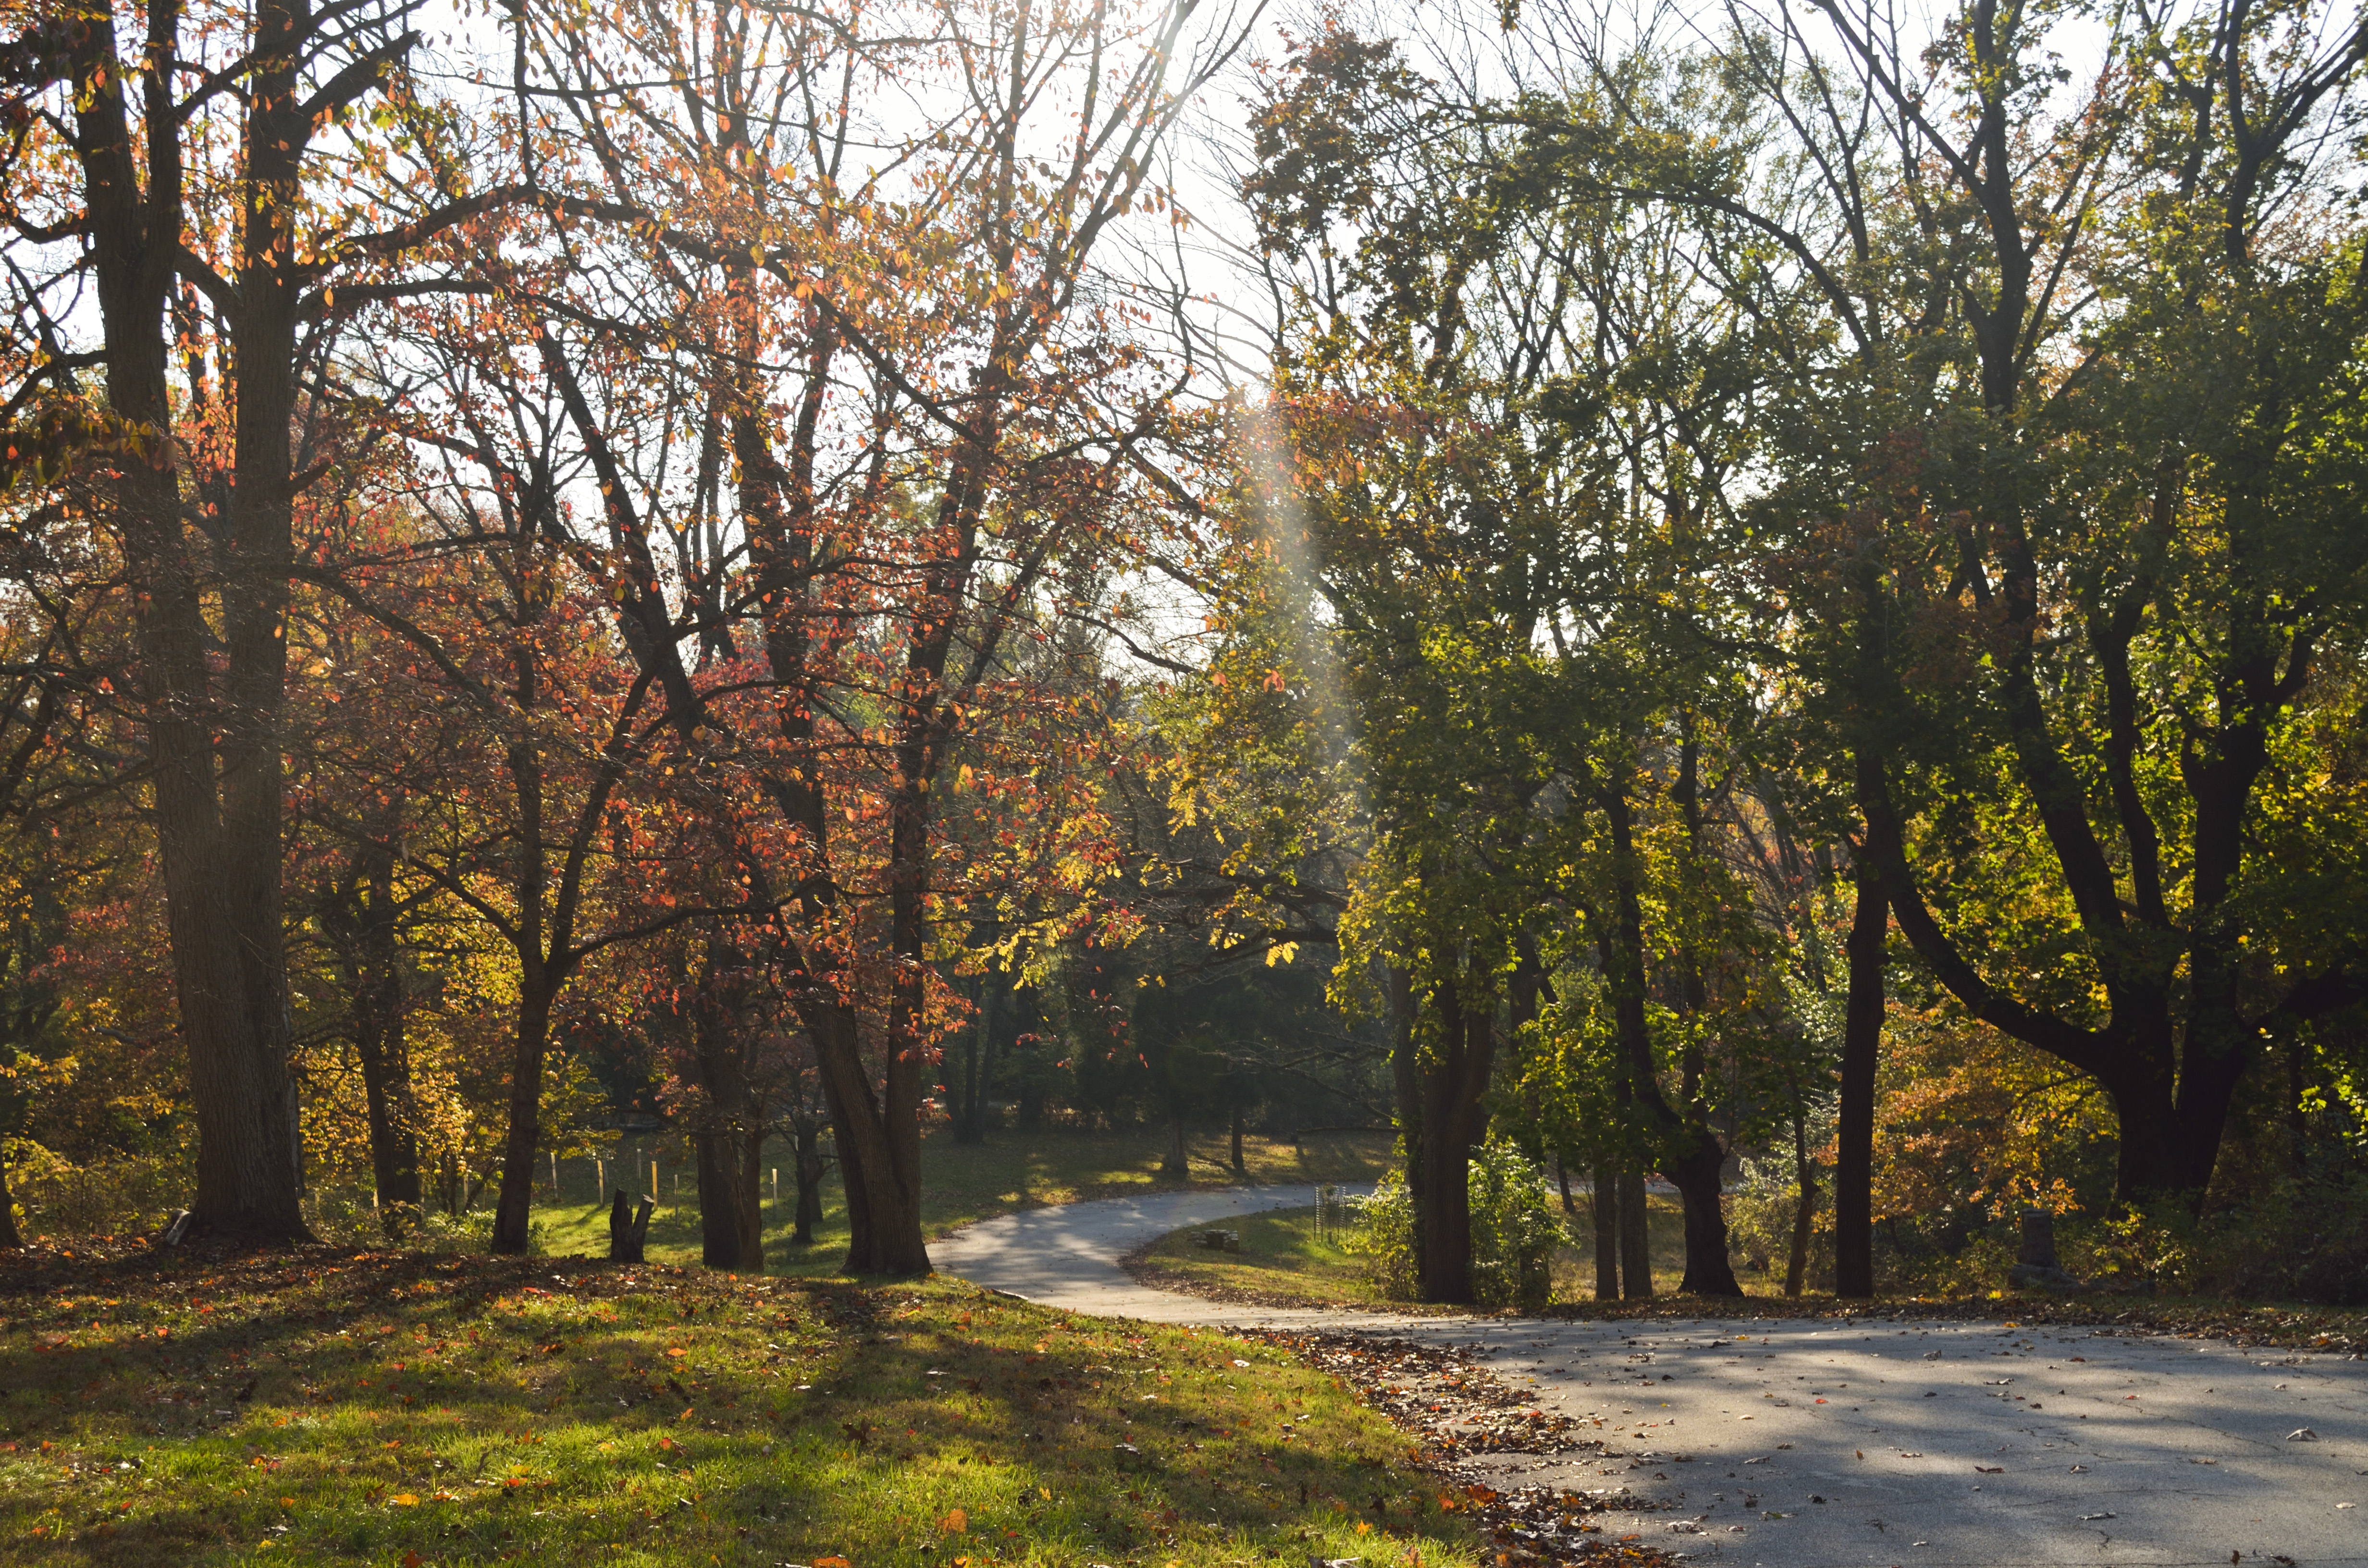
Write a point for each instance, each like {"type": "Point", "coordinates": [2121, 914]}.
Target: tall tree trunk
{"type": "Point", "coordinates": [10, 1239]}
{"type": "Point", "coordinates": [1693, 1157]}
{"type": "Point", "coordinates": [884, 1199]}
{"type": "Point", "coordinates": [538, 986]}
{"type": "Point", "coordinates": [261, 552]}
{"type": "Point", "coordinates": [730, 1138]}
{"type": "Point", "coordinates": [1406, 1085]}
{"type": "Point", "coordinates": [752, 1184]}
{"type": "Point", "coordinates": [805, 1135]}
{"type": "Point", "coordinates": [730, 1175]}
{"type": "Point", "coordinates": [380, 1041]}
{"type": "Point", "coordinates": [1862, 1052]}
{"type": "Point", "coordinates": [1241, 1167]}
{"type": "Point", "coordinates": [978, 1064]}
{"type": "Point", "coordinates": [1606, 1198]}
{"type": "Point", "coordinates": [516, 1199]}
{"type": "Point", "coordinates": [1454, 1080]}
{"type": "Point", "coordinates": [1698, 1164]}
{"type": "Point", "coordinates": [1635, 1238]}
{"type": "Point", "coordinates": [1804, 1175]}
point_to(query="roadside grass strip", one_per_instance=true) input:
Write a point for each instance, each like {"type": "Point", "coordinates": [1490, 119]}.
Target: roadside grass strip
{"type": "Point", "coordinates": [406, 1408]}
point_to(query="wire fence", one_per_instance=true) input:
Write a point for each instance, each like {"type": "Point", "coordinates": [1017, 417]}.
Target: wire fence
{"type": "Point", "coordinates": [1333, 1215]}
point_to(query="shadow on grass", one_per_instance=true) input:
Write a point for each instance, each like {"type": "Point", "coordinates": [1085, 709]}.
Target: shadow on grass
{"type": "Point", "coordinates": [964, 1183]}
{"type": "Point", "coordinates": [330, 1406]}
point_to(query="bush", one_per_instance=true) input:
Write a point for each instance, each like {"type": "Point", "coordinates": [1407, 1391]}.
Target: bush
{"type": "Point", "coordinates": [1384, 1236]}
{"type": "Point", "coordinates": [1759, 1213]}
{"type": "Point", "coordinates": [2289, 1240]}
{"type": "Point", "coordinates": [125, 1196]}
{"type": "Point", "coordinates": [1514, 1232]}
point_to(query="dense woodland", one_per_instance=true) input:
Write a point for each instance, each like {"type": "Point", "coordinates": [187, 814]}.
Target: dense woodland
{"type": "Point", "coordinates": [1769, 593]}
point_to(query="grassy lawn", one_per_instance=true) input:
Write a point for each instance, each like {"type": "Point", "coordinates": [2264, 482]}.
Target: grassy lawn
{"type": "Point", "coordinates": [1281, 1261]}
{"type": "Point", "coordinates": [1281, 1258]}
{"type": "Point", "coordinates": [1665, 1229]}
{"type": "Point", "coordinates": [959, 1184]}
{"type": "Point", "coordinates": [1281, 1255]}
{"type": "Point", "coordinates": [416, 1409]}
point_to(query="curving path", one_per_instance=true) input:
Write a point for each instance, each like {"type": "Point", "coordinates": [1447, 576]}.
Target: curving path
{"type": "Point", "coordinates": [1824, 1445]}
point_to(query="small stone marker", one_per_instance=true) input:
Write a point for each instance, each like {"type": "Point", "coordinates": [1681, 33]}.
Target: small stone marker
{"type": "Point", "coordinates": [2035, 1268]}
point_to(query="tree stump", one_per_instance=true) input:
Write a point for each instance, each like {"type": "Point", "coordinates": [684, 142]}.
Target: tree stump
{"type": "Point", "coordinates": [2035, 1268]}
{"type": "Point", "coordinates": [629, 1229]}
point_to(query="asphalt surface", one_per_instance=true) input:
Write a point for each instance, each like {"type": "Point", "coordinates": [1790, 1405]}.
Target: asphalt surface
{"type": "Point", "coordinates": [1818, 1444]}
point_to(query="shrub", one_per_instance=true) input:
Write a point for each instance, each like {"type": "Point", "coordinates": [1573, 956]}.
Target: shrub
{"type": "Point", "coordinates": [1514, 1232]}
{"type": "Point", "coordinates": [1384, 1236]}
{"type": "Point", "coordinates": [124, 1195]}
{"type": "Point", "coordinates": [1761, 1208]}
{"type": "Point", "coordinates": [2289, 1240]}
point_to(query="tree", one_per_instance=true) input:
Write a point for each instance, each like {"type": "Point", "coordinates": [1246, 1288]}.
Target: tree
{"type": "Point", "coordinates": [1000, 428]}
{"type": "Point", "coordinates": [184, 181]}
{"type": "Point", "coordinates": [2092, 572]}
{"type": "Point", "coordinates": [1523, 412]}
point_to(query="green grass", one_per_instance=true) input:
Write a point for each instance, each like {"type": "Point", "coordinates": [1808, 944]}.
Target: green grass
{"type": "Point", "coordinates": [1280, 1256]}
{"type": "Point", "coordinates": [1665, 1230]}
{"type": "Point", "coordinates": [410, 1408]}
{"type": "Point", "coordinates": [961, 1184]}
{"type": "Point", "coordinates": [1282, 1259]}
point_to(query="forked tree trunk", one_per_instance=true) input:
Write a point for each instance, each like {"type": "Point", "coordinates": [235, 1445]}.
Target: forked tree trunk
{"type": "Point", "coordinates": [1693, 1158]}
{"type": "Point", "coordinates": [211, 612]}
{"type": "Point", "coordinates": [883, 1199]}
{"type": "Point", "coordinates": [1694, 1172]}
{"type": "Point", "coordinates": [1862, 1052]}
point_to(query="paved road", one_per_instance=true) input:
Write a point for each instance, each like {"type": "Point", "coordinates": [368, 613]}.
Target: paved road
{"type": "Point", "coordinates": [1982, 1446]}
